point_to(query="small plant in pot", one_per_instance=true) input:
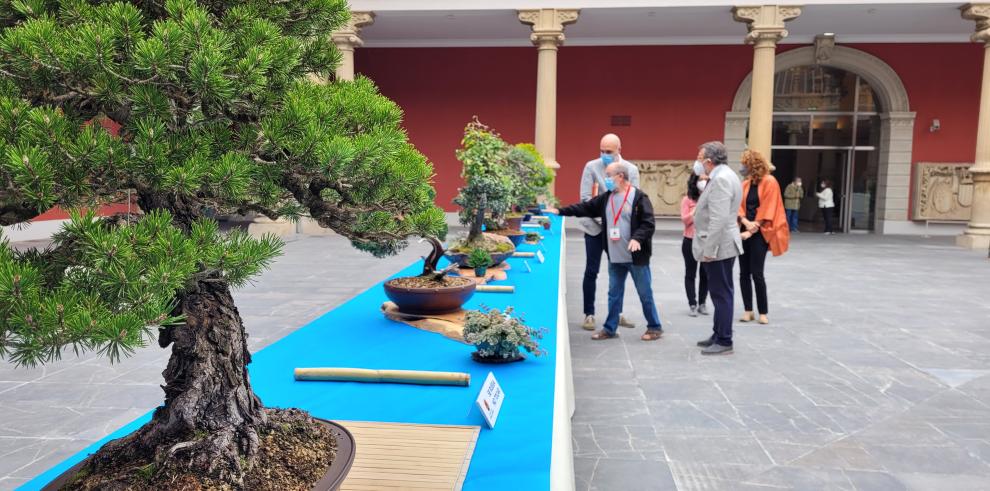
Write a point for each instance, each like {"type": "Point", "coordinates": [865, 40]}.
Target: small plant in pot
{"type": "Point", "coordinates": [498, 336]}
{"type": "Point", "coordinates": [479, 259]}
{"type": "Point", "coordinates": [532, 237]}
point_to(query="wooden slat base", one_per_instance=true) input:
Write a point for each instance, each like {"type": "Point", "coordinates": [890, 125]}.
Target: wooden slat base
{"type": "Point", "coordinates": [409, 456]}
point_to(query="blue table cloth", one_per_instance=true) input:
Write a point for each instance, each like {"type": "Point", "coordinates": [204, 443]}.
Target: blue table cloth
{"type": "Point", "coordinates": [515, 455]}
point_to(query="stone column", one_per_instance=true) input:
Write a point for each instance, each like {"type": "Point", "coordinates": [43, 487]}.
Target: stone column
{"type": "Point", "coordinates": [347, 38]}
{"type": "Point", "coordinates": [977, 233]}
{"type": "Point", "coordinates": [766, 27]}
{"type": "Point", "coordinates": [548, 35]}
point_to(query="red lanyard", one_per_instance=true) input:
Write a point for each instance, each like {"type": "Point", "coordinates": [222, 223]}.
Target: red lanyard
{"type": "Point", "coordinates": [618, 212]}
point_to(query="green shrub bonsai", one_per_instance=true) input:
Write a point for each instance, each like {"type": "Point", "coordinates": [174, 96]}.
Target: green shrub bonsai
{"type": "Point", "coordinates": [219, 109]}
{"type": "Point", "coordinates": [488, 188]}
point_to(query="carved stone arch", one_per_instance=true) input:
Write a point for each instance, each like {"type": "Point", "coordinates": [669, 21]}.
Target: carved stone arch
{"type": "Point", "coordinates": [897, 126]}
{"type": "Point", "coordinates": [881, 77]}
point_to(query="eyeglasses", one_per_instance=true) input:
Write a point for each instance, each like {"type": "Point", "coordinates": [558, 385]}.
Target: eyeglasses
{"type": "Point", "coordinates": [607, 152]}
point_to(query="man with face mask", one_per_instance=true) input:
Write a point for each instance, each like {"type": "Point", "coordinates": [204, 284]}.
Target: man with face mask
{"type": "Point", "coordinates": [792, 202]}
{"type": "Point", "coordinates": [626, 214]}
{"type": "Point", "coordinates": [716, 240]}
{"type": "Point", "coordinates": [594, 183]}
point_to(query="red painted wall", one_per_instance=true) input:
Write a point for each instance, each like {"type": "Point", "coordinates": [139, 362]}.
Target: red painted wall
{"type": "Point", "coordinates": [942, 81]}
{"type": "Point", "coordinates": [677, 97]}
{"type": "Point", "coordinates": [441, 89]}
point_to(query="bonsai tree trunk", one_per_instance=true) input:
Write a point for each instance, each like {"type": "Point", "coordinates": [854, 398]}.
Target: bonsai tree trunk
{"type": "Point", "coordinates": [475, 232]}
{"type": "Point", "coordinates": [209, 424]}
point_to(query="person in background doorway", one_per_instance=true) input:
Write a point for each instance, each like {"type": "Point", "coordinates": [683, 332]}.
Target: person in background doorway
{"type": "Point", "coordinates": [592, 185]}
{"type": "Point", "coordinates": [691, 266]}
{"type": "Point", "coordinates": [792, 202]}
{"type": "Point", "coordinates": [764, 227]}
{"type": "Point", "coordinates": [827, 204]}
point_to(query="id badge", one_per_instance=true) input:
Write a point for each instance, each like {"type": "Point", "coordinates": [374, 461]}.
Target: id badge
{"type": "Point", "coordinates": [614, 234]}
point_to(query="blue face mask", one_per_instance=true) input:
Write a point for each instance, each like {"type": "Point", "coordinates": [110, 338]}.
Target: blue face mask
{"type": "Point", "coordinates": [608, 158]}
{"type": "Point", "coordinates": [699, 168]}
{"type": "Point", "coordinates": [744, 171]}
{"type": "Point", "coordinates": [609, 184]}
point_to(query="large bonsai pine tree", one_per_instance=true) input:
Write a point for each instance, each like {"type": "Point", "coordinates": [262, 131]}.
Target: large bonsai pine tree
{"type": "Point", "coordinates": [219, 111]}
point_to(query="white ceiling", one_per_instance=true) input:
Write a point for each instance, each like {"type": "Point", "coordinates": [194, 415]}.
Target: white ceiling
{"type": "Point", "coordinates": [711, 24]}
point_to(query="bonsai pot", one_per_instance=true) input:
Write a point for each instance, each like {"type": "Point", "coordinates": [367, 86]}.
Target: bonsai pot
{"type": "Point", "coordinates": [514, 222]}
{"type": "Point", "coordinates": [429, 301]}
{"type": "Point", "coordinates": [497, 257]}
{"type": "Point", "coordinates": [527, 217]}
{"type": "Point", "coordinates": [516, 236]}
{"type": "Point", "coordinates": [331, 481]}
{"type": "Point", "coordinates": [476, 356]}
{"type": "Point", "coordinates": [546, 225]}
{"type": "Point", "coordinates": [480, 272]}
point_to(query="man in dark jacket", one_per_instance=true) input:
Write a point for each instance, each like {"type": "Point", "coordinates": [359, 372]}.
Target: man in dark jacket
{"type": "Point", "coordinates": [627, 216]}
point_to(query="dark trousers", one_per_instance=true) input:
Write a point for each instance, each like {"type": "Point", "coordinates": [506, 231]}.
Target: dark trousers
{"type": "Point", "coordinates": [751, 272]}
{"type": "Point", "coordinates": [690, 271]}
{"type": "Point", "coordinates": [593, 250]}
{"type": "Point", "coordinates": [827, 214]}
{"type": "Point", "coordinates": [792, 219]}
{"type": "Point", "coordinates": [721, 286]}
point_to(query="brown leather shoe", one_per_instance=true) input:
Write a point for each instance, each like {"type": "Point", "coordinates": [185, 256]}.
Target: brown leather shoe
{"type": "Point", "coordinates": [652, 335]}
{"type": "Point", "coordinates": [603, 335]}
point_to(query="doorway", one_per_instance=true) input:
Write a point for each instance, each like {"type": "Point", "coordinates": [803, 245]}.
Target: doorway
{"type": "Point", "coordinates": [826, 128]}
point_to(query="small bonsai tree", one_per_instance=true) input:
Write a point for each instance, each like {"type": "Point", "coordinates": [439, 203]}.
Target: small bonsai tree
{"type": "Point", "coordinates": [530, 175]}
{"type": "Point", "coordinates": [488, 187]}
{"type": "Point", "coordinates": [217, 111]}
{"type": "Point", "coordinates": [499, 336]}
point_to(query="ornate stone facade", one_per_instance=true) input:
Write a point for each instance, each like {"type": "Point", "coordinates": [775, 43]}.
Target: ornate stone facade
{"type": "Point", "coordinates": [942, 191]}
{"type": "Point", "coordinates": [665, 182]}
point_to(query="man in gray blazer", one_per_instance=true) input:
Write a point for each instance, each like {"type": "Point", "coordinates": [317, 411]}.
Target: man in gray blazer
{"type": "Point", "coordinates": [716, 240]}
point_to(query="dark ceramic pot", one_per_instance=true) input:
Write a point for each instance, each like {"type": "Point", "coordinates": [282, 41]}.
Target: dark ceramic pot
{"type": "Point", "coordinates": [480, 272]}
{"type": "Point", "coordinates": [496, 360]}
{"type": "Point", "coordinates": [429, 301]}
{"type": "Point", "coordinates": [331, 481]}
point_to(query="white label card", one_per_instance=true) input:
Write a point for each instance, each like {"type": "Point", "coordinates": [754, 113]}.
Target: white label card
{"type": "Point", "coordinates": [528, 269]}
{"type": "Point", "coordinates": [539, 256]}
{"type": "Point", "coordinates": [490, 400]}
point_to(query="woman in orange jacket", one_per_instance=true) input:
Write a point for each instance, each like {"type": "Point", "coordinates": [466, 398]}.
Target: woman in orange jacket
{"type": "Point", "coordinates": [764, 227]}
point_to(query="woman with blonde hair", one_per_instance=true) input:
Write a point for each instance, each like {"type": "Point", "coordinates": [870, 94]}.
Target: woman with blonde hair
{"type": "Point", "coordinates": [764, 227]}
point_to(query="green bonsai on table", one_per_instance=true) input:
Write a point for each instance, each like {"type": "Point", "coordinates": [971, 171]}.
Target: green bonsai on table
{"type": "Point", "coordinates": [499, 336]}
{"type": "Point", "coordinates": [217, 112]}
{"type": "Point", "coordinates": [480, 260]}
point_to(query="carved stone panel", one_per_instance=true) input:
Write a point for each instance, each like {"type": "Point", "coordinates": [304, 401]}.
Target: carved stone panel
{"type": "Point", "coordinates": [942, 191]}
{"type": "Point", "coordinates": [665, 182]}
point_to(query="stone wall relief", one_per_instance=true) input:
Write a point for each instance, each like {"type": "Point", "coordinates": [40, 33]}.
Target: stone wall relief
{"type": "Point", "coordinates": [942, 191]}
{"type": "Point", "coordinates": [665, 182]}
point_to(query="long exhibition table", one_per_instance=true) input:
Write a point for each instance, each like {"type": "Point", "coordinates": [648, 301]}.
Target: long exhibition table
{"type": "Point", "coordinates": [530, 446]}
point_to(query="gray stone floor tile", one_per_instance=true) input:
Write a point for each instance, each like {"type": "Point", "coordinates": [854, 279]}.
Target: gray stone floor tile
{"type": "Point", "coordinates": [632, 475]}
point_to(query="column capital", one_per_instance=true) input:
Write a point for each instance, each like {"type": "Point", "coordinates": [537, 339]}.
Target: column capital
{"type": "Point", "coordinates": [348, 36]}
{"type": "Point", "coordinates": [979, 12]}
{"type": "Point", "coordinates": [548, 25]}
{"type": "Point", "coordinates": [765, 22]}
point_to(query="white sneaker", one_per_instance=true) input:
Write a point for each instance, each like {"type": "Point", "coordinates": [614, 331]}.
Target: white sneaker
{"type": "Point", "coordinates": [625, 322]}
{"type": "Point", "coordinates": [589, 323]}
